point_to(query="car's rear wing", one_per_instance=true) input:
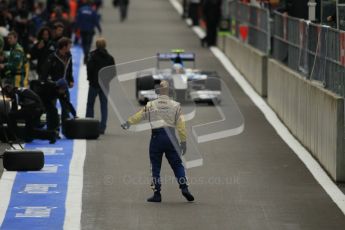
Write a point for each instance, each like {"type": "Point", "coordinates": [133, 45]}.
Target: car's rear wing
{"type": "Point", "coordinates": [176, 57]}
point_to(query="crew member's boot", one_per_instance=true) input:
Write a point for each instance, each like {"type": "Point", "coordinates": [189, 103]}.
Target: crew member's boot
{"type": "Point", "coordinates": [187, 194]}
{"type": "Point", "coordinates": [52, 138]}
{"type": "Point", "coordinates": [155, 198]}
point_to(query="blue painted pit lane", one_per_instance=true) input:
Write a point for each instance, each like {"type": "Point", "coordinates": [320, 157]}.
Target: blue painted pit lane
{"type": "Point", "coordinates": [38, 198]}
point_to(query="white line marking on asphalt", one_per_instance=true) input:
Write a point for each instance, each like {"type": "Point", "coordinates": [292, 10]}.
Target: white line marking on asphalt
{"type": "Point", "coordinates": [39, 189]}
{"type": "Point", "coordinates": [313, 166]}
{"type": "Point", "coordinates": [51, 151]}
{"type": "Point", "coordinates": [199, 31]}
{"type": "Point", "coordinates": [177, 6]}
{"type": "Point", "coordinates": [189, 22]}
{"type": "Point", "coordinates": [76, 170]}
{"type": "Point", "coordinates": [6, 184]}
{"type": "Point", "coordinates": [48, 168]}
{"type": "Point", "coordinates": [154, 58]}
{"type": "Point", "coordinates": [34, 212]}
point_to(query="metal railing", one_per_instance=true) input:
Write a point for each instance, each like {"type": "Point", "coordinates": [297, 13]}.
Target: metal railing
{"type": "Point", "coordinates": [251, 24]}
{"type": "Point", "coordinates": [314, 50]}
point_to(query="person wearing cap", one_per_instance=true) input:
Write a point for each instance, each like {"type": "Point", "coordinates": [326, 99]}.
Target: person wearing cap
{"type": "Point", "coordinates": [49, 92]}
{"type": "Point", "coordinates": [27, 106]}
{"type": "Point", "coordinates": [164, 115]}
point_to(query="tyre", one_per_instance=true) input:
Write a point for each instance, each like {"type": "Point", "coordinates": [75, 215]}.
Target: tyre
{"type": "Point", "coordinates": [5, 106]}
{"type": "Point", "coordinates": [23, 160]}
{"type": "Point", "coordinates": [13, 136]}
{"type": "Point", "coordinates": [81, 128]}
{"type": "Point", "coordinates": [144, 83]}
{"type": "Point", "coordinates": [214, 102]}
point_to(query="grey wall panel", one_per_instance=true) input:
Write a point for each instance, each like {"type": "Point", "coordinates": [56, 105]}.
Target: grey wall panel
{"type": "Point", "coordinates": [314, 115]}
{"type": "Point", "coordinates": [250, 62]}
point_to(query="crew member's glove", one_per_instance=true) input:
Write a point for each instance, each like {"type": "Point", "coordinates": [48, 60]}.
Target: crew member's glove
{"type": "Point", "coordinates": [183, 147]}
{"type": "Point", "coordinates": [125, 125]}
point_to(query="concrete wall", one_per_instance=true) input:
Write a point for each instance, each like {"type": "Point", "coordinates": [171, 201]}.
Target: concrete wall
{"type": "Point", "coordinates": [249, 61]}
{"type": "Point", "coordinates": [314, 115]}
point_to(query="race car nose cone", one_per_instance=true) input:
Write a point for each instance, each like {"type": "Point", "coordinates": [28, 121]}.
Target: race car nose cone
{"type": "Point", "coordinates": [180, 81]}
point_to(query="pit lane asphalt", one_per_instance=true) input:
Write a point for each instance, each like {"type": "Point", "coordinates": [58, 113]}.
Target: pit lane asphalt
{"type": "Point", "coordinates": [267, 187]}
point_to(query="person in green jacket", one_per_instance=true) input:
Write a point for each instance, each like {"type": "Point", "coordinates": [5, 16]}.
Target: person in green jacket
{"type": "Point", "coordinates": [14, 65]}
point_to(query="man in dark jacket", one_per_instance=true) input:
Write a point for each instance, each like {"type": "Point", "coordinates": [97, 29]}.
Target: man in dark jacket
{"type": "Point", "coordinates": [98, 59]}
{"type": "Point", "coordinates": [87, 21]}
{"type": "Point", "coordinates": [59, 66]}
{"type": "Point", "coordinates": [30, 110]}
{"type": "Point", "coordinates": [212, 15]}
{"type": "Point", "coordinates": [42, 49]}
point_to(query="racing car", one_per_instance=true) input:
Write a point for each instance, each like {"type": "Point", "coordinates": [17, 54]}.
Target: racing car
{"type": "Point", "coordinates": [187, 84]}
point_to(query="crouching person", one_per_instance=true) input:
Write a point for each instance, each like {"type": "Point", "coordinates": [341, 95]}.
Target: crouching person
{"type": "Point", "coordinates": [49, 92]}
{"type": "Point", "coordinates": [26, 106]}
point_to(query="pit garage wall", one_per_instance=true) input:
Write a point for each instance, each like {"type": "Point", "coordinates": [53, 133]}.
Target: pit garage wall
{"type": "Point", "coordinates": [313, 115]}
{"type": "Point", "coordinates": [249, 61]}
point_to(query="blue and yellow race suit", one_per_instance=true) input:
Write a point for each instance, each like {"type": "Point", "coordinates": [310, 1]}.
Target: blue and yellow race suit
{"type": "Point", "coordinates": [164, 116]}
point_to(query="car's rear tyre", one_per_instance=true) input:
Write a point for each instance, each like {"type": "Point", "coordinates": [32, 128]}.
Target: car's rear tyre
{"type": "Point", "coordinates": [143, 102]}
{"type": "Point", "coordinates": [214, 102]}
{"type": "Point", "coordinates": [144, 83]}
